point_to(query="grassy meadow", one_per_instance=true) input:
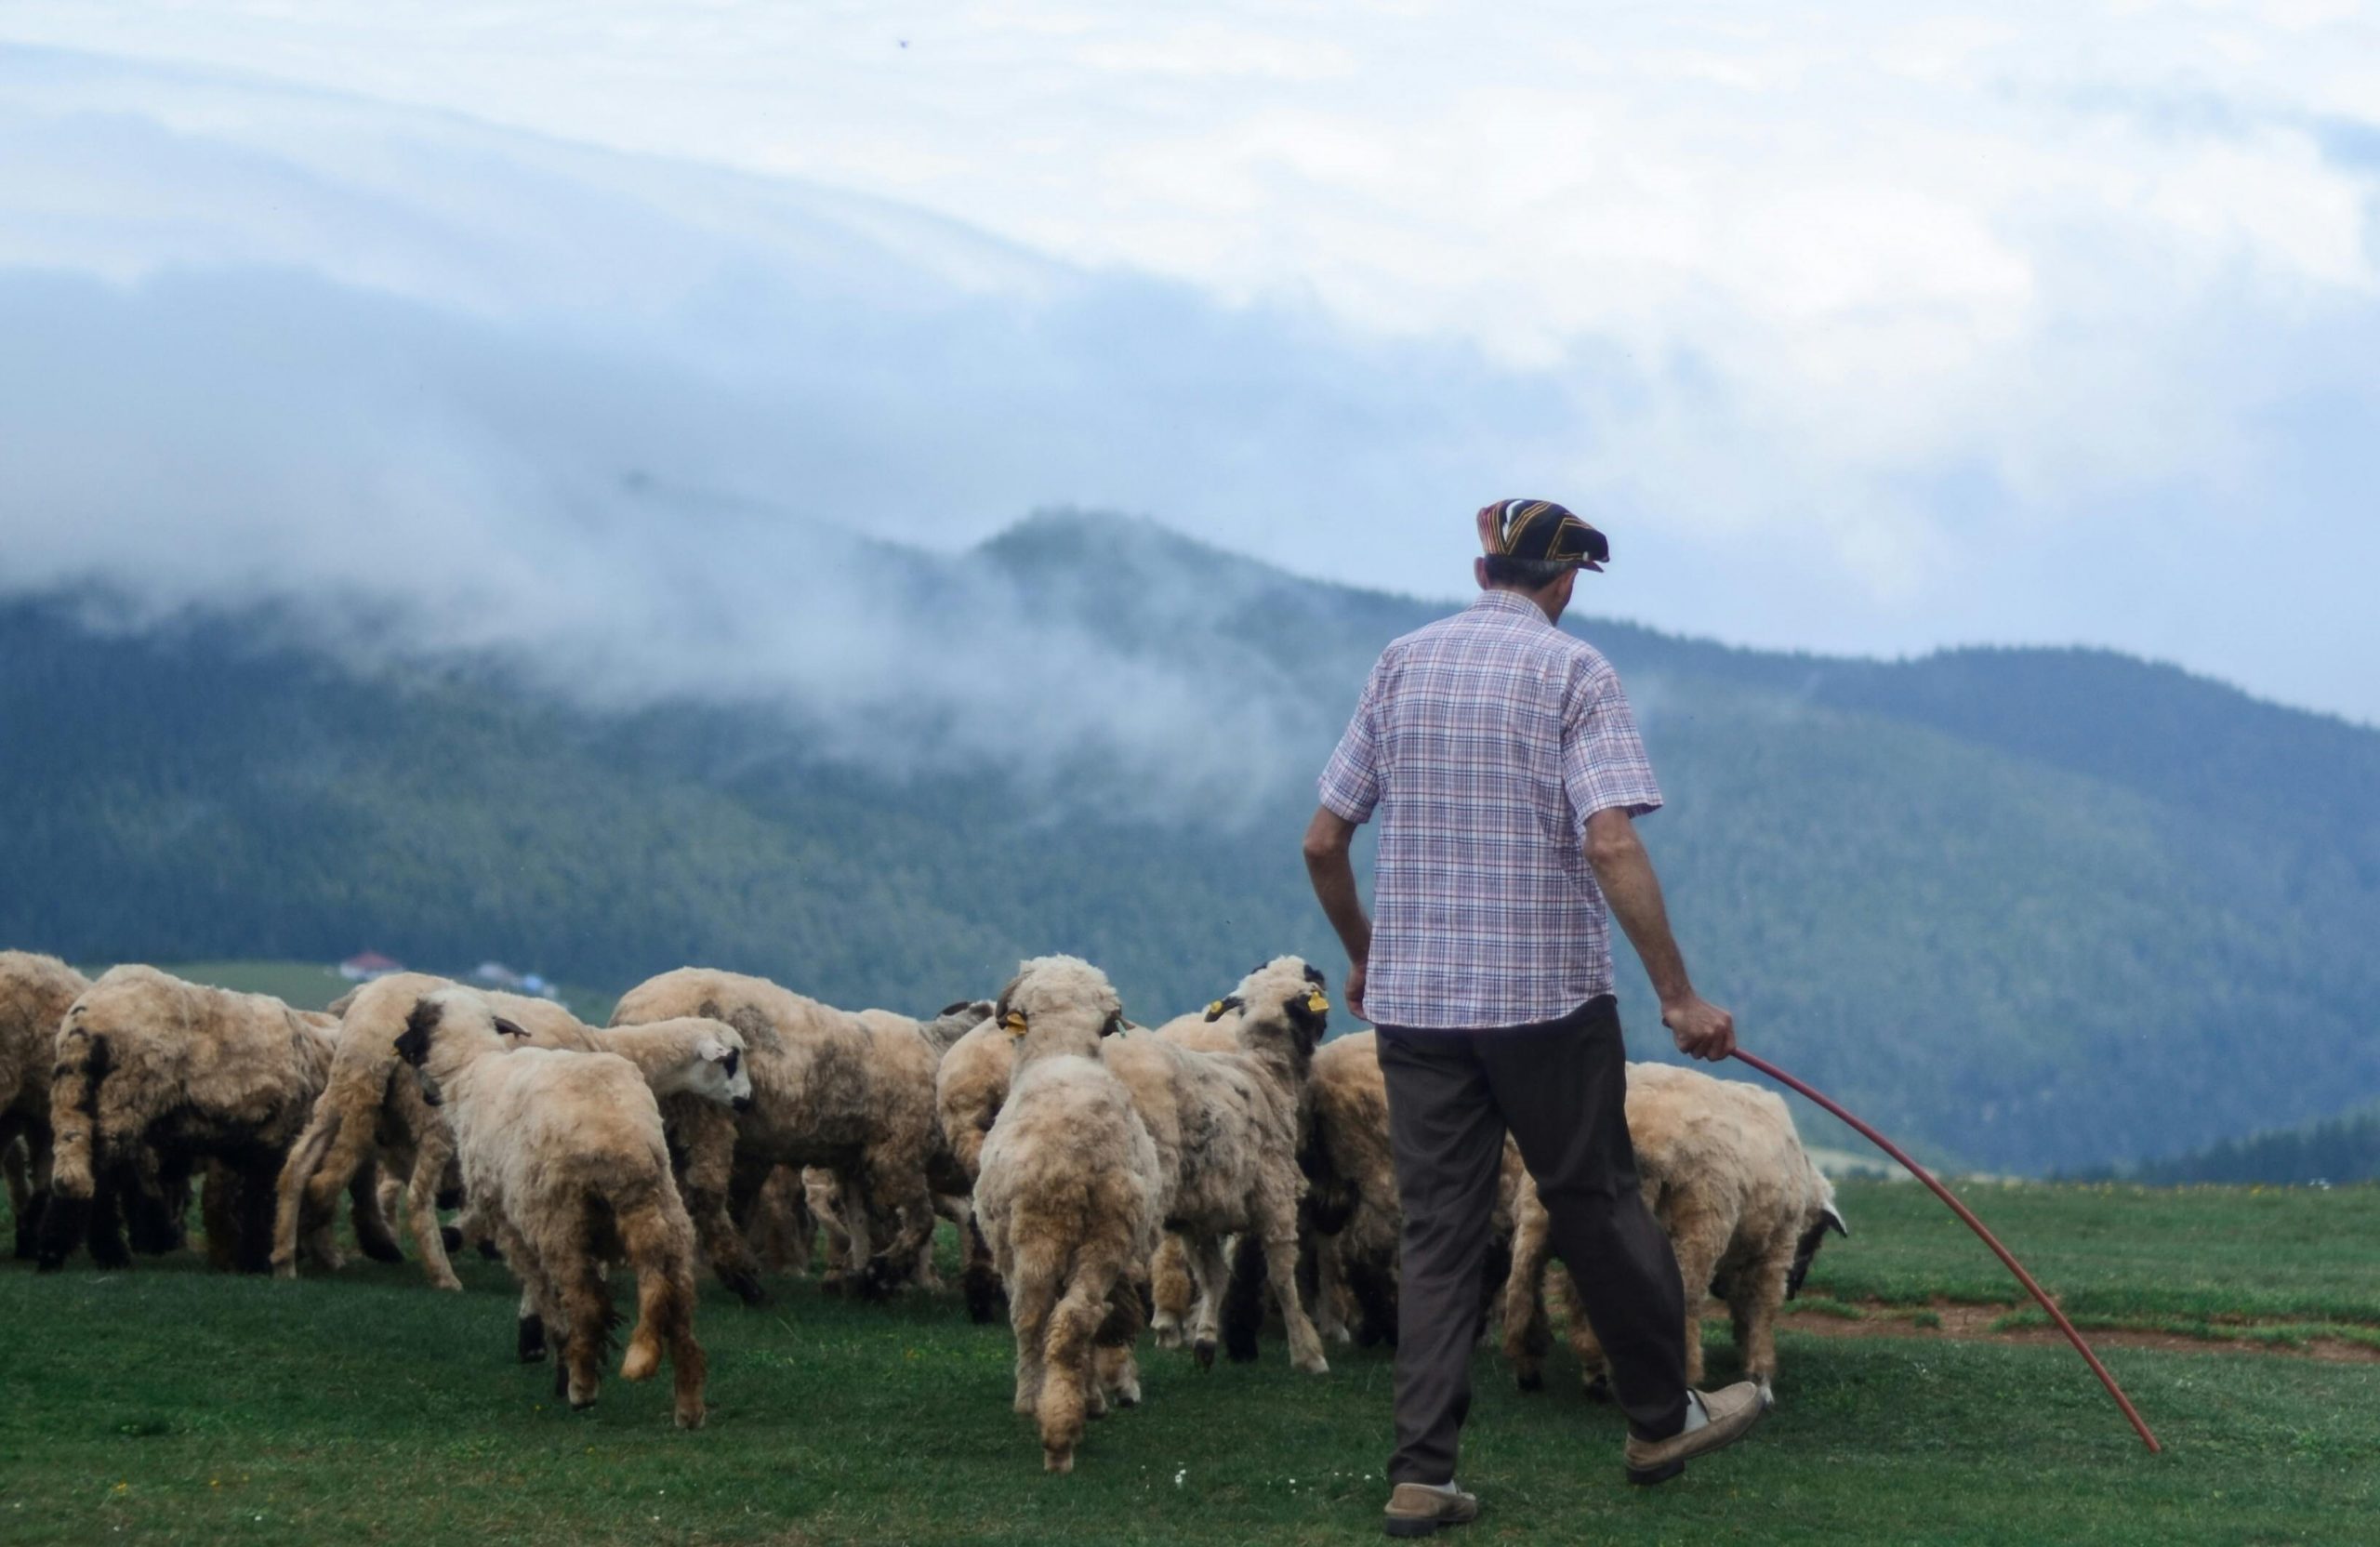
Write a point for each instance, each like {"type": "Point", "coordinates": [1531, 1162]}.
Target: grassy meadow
{"type": "Point", "coordinates": [170, 1405]}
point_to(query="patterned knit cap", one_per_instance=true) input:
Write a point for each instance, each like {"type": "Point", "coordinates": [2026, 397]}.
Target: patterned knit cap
{"type": "Point", "coordinates": [1540, 529]}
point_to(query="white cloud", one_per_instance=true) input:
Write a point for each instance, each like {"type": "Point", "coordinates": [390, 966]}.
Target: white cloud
{"type": "Point", "coordinates": [1925, 285]}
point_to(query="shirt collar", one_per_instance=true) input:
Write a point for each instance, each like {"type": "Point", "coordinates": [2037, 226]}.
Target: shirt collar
{"type": "Point", "coordinates": [1508, 601]}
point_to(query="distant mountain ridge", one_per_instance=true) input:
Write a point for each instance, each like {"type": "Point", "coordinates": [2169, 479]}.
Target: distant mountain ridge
{"type": "Point", "coordinates": [2034, 908]}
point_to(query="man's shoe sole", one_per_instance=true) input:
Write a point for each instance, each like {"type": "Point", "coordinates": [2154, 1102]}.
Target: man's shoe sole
{"type": "Point", "coordinates": [1652, 1474]}
{"type": "Point", "coordinates": [1420, 1528]}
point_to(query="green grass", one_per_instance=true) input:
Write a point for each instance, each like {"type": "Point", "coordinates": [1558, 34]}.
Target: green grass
{"type": "Point", "coordinates": [2202, 1254]}
{"type": "Point", "coordinates": [171, 1405]}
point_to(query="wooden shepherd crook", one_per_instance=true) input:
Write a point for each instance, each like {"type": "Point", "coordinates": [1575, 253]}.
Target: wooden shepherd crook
{"type": "Point", "coordinates": [1773, 1072]}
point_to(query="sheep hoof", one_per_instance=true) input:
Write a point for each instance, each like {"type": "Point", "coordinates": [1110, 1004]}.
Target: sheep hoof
{"type": "Point", "coordinates": [744, 1286]}
{"type": "Point", "coordinates": [1599, 1388]}
{"type": "Point", "coordinates": [490, 1252]}
{"type": "Point", "coordinates": [1317, 1365]}
{"type": "Point", "coordinates": [691, 1417]}
{"type": "Point", "coordinates": [642, 1361]}
{"type": "Point", "coordinates": [451, 1239]}
{"type": "Point", "coordinates": [1530, 1379]}
{"type": "Point", "coordinates": [1204, 1352]}
{"type": "Point", "coordinates": [1057, 1461]}
{"type": "Point", "coordinates": [532, 1342]}
{"type": "Point", "coordinates": [450, 1198]}
{"type": "Point", "coordinates": [1168, 1336]}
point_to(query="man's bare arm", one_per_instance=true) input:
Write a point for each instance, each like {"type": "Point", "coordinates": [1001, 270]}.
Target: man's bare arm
{"type": "Point", "coordinates": [1625, 872]}
{"type": "Point", "coordinates": [1331, 867]}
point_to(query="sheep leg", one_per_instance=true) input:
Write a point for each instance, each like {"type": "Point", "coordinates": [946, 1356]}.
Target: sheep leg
{"type": "Point", "coordinates": [1330, 1291]}
{"type": "Point", "coordinates": [587, 1306]}
{"type": "Point", "coordinates": [897, 1185]}
{"type": "Point", "coordinates": [712, 1181]}
{"type": "Point", "coordinates": [292, 1187]}
{"type": "Point", "coordinates": [37, 1156]}
{"type": "Point", "coordinates": [1281, 1262]}
{"type": "Point", "coordinates": [20, 1191]}
{"type": "Point", "coordinates": [1699, 1239]}
{"type": "Point", "coordinates": [1212, 1275]}
{"type": "Point", "coordinates": [421, 1207]}
{"type": "Point", "coordinates": [1067, 1380]}
{"type": "Point", "coordinates": [252, 1185]}
{"type": "Point", "coordinates": [218, 1215]}
{"type": "Point", "coordinates": [662, 1249]}
{"type": "Point", "coordinates": [1759, 1294]}
{"type": "Point", "coordinates": [1526, 1336]}
{"type": "Point", "coordinates": [1032, 1295]}
{"type": "Point", "coordinates": [825, 1196]}
{"type": "Point", "coordinates": [364, 1215]}
{"type": "Point", "coordinates": [155, 1200]}
{"type": "Point", "coordinates": [1171, 1289]}
{"type": "Point", "coordinates": [981, 1280]}
{"type": "Point", "coordinates": [1118, 1372]}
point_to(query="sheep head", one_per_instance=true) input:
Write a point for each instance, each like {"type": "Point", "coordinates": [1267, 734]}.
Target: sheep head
{"type": "Point", "coordinates": [1286, 997]}
{"type": "Point", "coordinates": [1057, 1005]}
{"type": "Point", "coordinates": [451, 1027]}
{"type": "Point", "coordinates": [1827, 1217]}
{"type": "Point", "coordinates": [718, 1071]}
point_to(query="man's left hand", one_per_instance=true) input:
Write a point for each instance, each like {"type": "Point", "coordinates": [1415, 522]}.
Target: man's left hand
{"type": "Point", "coordinates": [1702, 1029]}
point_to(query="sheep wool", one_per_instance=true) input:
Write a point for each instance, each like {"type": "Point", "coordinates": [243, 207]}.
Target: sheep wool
{"type": "Point", "coordinates": [365, 1120]}
{"type": "Point", "coordinates": [1070, 1198]}
{"type": "Point", "coordinates": [35, 993]}
{"type": "Point", "coordinates": [1725, 1172]}
{"type": "Point", "coordinates": [154, 1077]}
{"type": "Point", "coordinates": [561, 1151]}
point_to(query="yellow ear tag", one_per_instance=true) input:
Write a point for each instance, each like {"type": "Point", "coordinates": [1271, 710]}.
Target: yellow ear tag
{"type": "Point", "coordinates": [1215, 1011]}
{"type": "Point", "coordinates": [1015, 1024]}
{"type": "Point", "coordinates": [1317, 1002]}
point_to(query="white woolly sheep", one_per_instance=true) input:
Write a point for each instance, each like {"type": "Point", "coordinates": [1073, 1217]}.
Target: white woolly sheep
{"type": "Point", "coordinates": [155, 1077]}
{"type": "Point", "coordinates": [35, 993]}
{"type": "Point", "coordinates": [563, 1154]}
{"type": "Point", "coordinates": [850, 1092]}
{"type": "Point", "coordinates": [1070, 1197]}
{"type": "Point", "coordinates": [365, 1120]}
{"type": "Point", "coordinates": [1725, 1172]}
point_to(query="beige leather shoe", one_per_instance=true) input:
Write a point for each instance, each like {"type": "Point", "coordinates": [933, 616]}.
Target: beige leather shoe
{"type": "Point", "coordinates": [1414, 1509]}
{"type": "Point", "coordinates": [1732, 1412]}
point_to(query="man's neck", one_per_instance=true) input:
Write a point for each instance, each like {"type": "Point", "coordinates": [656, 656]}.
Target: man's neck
{"type": "Point", "coordinates": [1544, 601]}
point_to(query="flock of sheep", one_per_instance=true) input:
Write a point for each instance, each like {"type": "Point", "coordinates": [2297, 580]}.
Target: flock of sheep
{"type": "Point", "coordinates": [1106, 1179]}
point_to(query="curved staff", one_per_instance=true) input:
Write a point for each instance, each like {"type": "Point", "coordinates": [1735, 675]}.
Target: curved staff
{"type": "Point", "coordinates": [1773, 1072]}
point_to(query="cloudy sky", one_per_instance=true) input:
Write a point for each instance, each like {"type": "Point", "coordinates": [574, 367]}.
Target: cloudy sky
{"type": "Point", "coordinates": [1864, 327]}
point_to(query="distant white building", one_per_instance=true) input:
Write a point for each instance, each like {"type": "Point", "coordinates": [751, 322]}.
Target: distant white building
{"type": "Point", "coordinates": [496, 975]}
{"type": "Point", "coordinates": [368, 965]}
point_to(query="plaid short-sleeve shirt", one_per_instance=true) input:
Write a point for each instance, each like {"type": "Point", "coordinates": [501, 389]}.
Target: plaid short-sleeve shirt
{"type": "Point", "coordinates": [1484, 741]}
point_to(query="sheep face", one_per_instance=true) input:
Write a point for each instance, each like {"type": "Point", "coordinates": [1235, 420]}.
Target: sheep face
{"type": "Point", "coordinates": [1286, 987]}
{"type": "Point", "coordinates": [719, 1072]}
{"type": "Point", "coordinates": [1807, 1250]}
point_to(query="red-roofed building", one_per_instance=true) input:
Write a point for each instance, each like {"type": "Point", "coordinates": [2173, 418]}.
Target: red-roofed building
{"type": "Point", "coordinates": [364, 968]}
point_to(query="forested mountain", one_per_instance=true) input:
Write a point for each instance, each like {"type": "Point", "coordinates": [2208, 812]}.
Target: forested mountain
{"type": "Point", "coordinates": [2332, 1150]}
{"type": "Point", "coordinates": [2034, 908]}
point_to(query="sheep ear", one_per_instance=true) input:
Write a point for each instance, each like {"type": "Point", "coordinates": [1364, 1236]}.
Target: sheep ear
{"type": "Point", "coordinates": [1113, 1024]}
{"type": "Point", "coordinates": [1309, 1012]}
{"type": "Point", "coordinates": [1834, 1222]}
{"type": "Point", "coordinates": [1224, 1006]}
{"type": "Point", "coordinates": [413, 1043]}
{"type": "Point", "coordinates": [957, 1007]}
{"type": "Point", "coordinates": [511, 1028]}
{"type": "Point", "coordinates": [1314, 975]}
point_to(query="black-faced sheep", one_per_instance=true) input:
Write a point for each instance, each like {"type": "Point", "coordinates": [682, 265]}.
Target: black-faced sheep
{"type": "Point", "coordinates": [1070, 1196]}
{"type": "Point", "coordinates": [564, 1153]}
{"type": "Point", "coordinates": [852, 1092]}
{"type": "Point", "coordinates": [155, 1077]}
{"type": "Point", "coordinates": [365, 1119]}
{"type": "Point", "coordinates": [1725, 1172]}
{"type": "Point", "coordinates": [35, 993]}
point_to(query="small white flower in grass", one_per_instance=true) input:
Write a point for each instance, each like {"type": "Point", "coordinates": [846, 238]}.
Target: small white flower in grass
{"type": "Point", "coordinates": [1179, 1475]}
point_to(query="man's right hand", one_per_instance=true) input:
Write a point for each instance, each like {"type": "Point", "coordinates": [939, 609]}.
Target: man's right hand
{"type": "Point", "coordinates": [1356, 990]}
{"type": "Point", "coordinates": [1702, 1029]}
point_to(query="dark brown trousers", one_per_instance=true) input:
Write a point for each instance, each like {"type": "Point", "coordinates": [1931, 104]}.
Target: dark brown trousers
{"type": "Point", "coordinates": [1561, 1088]}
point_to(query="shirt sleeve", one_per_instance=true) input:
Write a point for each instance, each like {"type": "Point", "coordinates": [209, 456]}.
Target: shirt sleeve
{"type": "Point", "coordinates": [1349, 782]}
{"type": "Point", "coordinates": [1604, 763]}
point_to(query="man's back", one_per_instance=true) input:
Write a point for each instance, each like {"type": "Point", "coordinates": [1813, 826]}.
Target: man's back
{"type": "Point", "coordinates": [1484, 741]}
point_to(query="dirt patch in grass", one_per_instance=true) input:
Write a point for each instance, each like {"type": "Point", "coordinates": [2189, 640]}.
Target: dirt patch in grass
{"type": "Point", "coordinates": [1989, 1324]}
